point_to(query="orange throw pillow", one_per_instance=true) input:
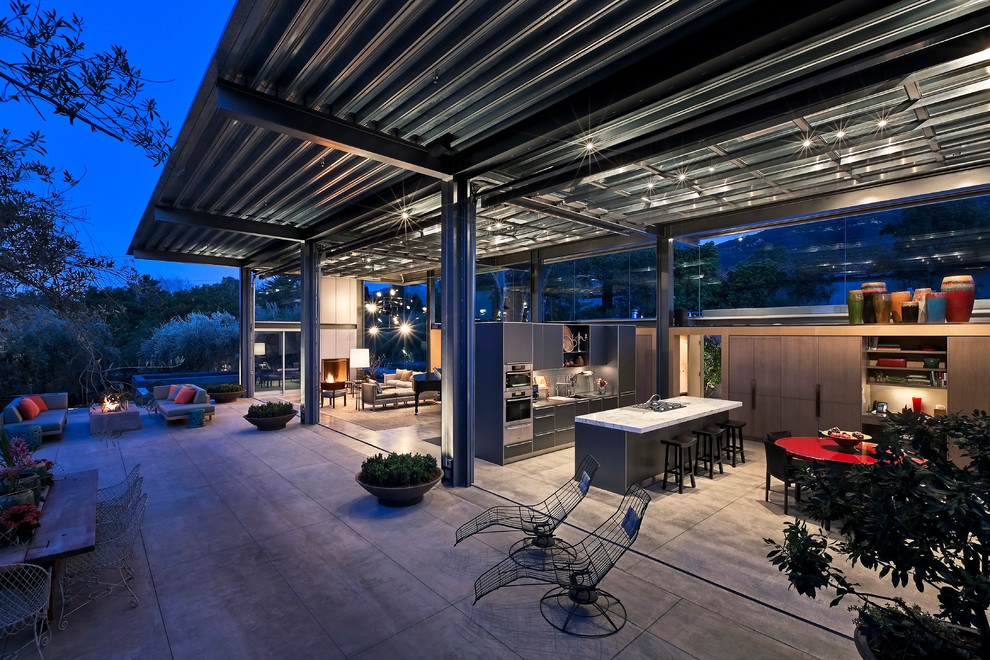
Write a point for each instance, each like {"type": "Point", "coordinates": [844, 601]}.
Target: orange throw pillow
{"type": "Point", "coordinates": [186, 395]}
{"type": "Point", "coordinates": [38, 401]}
{"type": "Point", "coordinates": [28, 409]}
{"type": "Point", "coordinates": [173, 390]}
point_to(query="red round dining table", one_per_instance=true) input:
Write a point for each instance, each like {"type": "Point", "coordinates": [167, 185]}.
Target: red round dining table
{"type": "Point", "coordinates": [826, 449]}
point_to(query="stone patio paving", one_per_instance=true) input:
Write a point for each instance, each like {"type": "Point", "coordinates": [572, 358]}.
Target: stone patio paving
{"type": "Point", "coordinates": [261, 545]}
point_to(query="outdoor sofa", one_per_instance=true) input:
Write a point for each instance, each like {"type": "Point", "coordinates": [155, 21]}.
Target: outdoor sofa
{"type": "Point", "coordinates": [51, 421]}
{"type": "Point", "coordinates": [170, 410]}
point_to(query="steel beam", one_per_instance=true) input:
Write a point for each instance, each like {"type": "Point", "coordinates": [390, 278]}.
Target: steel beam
{"type": "Point", "coordinates": [228, 224]}
{"type": "Point", "coordinates": [309, 326]}
{"type": "Point", "coordinates": [263, 111]}
{"type": "Point", "coordinates": [247, 331]}
{"type": "Point", "coordinates": [457, 335]}
{"type": "Point", "coordinates": [565, 213]}
{"type": "Point", "coordinates": [665, 307]}
{"type": "Point", "coordinates": [186, 258]}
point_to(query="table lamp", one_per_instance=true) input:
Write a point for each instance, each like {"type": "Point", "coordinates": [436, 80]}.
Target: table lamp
{"type": "Point", "coordinates": [360, 358]}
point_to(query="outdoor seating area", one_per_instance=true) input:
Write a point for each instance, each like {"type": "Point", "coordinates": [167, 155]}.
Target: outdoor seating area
{"type": "Point", "coordinates": [314, 546]}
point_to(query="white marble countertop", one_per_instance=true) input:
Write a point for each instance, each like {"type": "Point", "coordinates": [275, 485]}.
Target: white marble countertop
{"type": "Point", "coordinates": [639, 420]}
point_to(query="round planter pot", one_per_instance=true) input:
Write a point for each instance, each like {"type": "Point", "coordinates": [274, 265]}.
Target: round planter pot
{"type": "Point", "coordinates": [226, 397]}
{"type": "Point", "coordinates": [270, 423]}
{"type": "Point", "coordinates": [400, 495]}
{"type": "Point", "coordinates": [865, 652]}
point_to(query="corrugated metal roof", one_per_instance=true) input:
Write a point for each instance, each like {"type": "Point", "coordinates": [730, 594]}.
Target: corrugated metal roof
{"type": "Point", "coordinates": [575, 121]}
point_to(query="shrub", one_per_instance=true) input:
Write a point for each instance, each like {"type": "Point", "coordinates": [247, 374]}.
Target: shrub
{"type": "Point", "coordinates": [399, 469]}
{"type": "Point", "coordinates": [205, 343]}
{"type": "Point", "coordinates": [270, 409]}
{"type": "Point", "coordinates": [219, 388]}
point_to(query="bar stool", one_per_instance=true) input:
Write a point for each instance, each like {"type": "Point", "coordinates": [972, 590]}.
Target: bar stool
{"type": "Point", "coordinates": [734, 438]}
{"type": "Point", "coordinates": [680, 444]}
{"type": "Point", "coordinates": [710, 448]}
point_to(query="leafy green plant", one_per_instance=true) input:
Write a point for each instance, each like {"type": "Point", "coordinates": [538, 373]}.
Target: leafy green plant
{"type": "Point", "coordinates": [399, 469]}
{"type": "Point", "coordinates": [712, 350]}
{"type": "Point", "coordinates": [219, 388]}
{"type": "Point", "coordinates": [270, 409]}
{"type": "Point", "coordinates": [916, 517]}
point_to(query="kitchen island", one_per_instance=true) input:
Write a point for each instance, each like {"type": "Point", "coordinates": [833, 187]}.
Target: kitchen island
{"type": "Point", "coordinates": [627, 441]}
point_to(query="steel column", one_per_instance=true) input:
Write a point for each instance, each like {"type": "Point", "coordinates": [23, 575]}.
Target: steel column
{"type": "Point", "coordinates": [665, 306]}
{"type": "Point", "coordinates": [537, 274]}
{"type": "Point", "coordinates": [247, 331]}
{"type": "Point", "coordinates": [309, 325]}
{"type": "Point", "coordinates": [457, 236]}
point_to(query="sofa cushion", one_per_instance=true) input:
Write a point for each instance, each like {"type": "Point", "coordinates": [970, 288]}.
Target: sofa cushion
{"type": "Point", "coordinates": [201, 396]}
{"type": "Point", "coordinates": [38, 401]}
{"type": "Point", "coordinates": [10, 413]}
{"type": "Point", "coordinates": [27, 408]}
{"type": "Point", "coordinates": [406, 375]}
{"type": "Point", "coordinates": [173, 391]}
{"type": "Point", "coordinates": [185, 395]}
{"type": "Point", "coordinates": [170, 409]}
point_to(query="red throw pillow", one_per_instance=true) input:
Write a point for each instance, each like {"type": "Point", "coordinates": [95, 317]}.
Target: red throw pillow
{"type": "Point", "coordinates": [28, 409]}
{"type": "Point", "coordinates": [186, 395]}
{"type": "Point", "coordinates": [38, 401]}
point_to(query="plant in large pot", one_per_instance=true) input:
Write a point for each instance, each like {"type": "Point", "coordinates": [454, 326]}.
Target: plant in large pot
{"type": "Point", "coordinates": [271, 415]}
{"type": "Point", "coordinates": [917, 516]}
{"type": "Point", "coordinates": [399, 479]}
{"type": "Point", "coordinates": [225, 392]}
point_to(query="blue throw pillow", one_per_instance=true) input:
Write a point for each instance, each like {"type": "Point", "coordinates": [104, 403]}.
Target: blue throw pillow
{"type": "Point", "coordinates": [584, 483]}
{"type": "Point", "coordinates": [630, 523]}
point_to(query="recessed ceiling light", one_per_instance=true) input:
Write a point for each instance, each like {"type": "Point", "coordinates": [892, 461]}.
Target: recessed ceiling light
{"type": "Point", "coordinates": [589, 146]}
{"type": "Point", "coordinates": [681, 177]}
{"type": "Point", "coordinates": [806, 143]}
{"type": "Point", "coordinates": [650, 185]}
{"type": "Point", "coordinates": [405, 215]}
{"type": "Point", "coordinates": [881, 123]}
{"type": "Point", "coordinates": [840, 134]}
{"type": "Point", "coordinates": [711, 168]}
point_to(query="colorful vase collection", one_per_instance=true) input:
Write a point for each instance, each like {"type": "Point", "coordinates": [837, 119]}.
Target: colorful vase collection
{"type": "Point", "coordinates": [953, 304]}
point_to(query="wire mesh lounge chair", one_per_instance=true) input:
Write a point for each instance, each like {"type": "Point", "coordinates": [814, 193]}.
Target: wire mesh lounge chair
{"type": "Point", "coordinates": [114, 547]}
{"type": "Point", "coordinates": [115, 504]}
{"type": "Point", "coordinates": [576, 603]}
{"type": "Point", "coordinates": [538, 521]}
{"type": "Point", "coordinates": [24, 592]}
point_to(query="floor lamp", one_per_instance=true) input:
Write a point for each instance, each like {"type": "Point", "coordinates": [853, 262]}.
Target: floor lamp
{"type": "Point", "coordinates": [360, 358]}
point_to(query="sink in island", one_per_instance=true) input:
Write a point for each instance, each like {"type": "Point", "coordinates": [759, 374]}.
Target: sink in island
{"type": "Point", "coordinates": [627, 441]}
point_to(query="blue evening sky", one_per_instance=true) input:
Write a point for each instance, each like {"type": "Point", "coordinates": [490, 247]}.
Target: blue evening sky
{"type": "Point", "coordinates": [171, 42]}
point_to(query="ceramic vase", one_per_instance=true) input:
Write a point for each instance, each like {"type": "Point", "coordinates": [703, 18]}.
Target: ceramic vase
{"type": "Point", "coordinates": [909, 312]}
{"type": "Point", "coordinates": [960, 293]}
{"type": "Point", "coordinates": [898, 298]}
{"type": "Point", "coordinates": [919, 297]}
{"type": "Point", "coordinates": [869, 290]}
{"type": "Point", "coordinates": [854, 302]}
{"type": "Point", "coordinates": [935, 307]}
{"type": "Point", "coordinates": [881, 307]}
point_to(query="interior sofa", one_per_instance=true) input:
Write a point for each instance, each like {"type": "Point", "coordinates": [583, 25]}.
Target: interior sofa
{"type": "Point", "coordinates": [400, 387]}
{"type": "Point", "coordinates": [170, 410]}
{"type": "Point", "coordinates": [51, 421]}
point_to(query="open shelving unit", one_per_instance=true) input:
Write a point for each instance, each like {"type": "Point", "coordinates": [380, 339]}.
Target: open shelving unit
{"type": "Point", "coordinates": [897, 384]}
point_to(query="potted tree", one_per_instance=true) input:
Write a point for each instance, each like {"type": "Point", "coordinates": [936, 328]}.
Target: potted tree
{"type": "Point", "coordinates": [399, 479]}
{"type": "Point", "coordinates": [225, 392]}
{"type": "Point", "coordinates": [919, 516]}
{"type": "Point", "coordinates": [271, 415]}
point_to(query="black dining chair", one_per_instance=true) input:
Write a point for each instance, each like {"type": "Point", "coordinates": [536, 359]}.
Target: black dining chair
{"type": "Point", "coordinates": [778, 465]}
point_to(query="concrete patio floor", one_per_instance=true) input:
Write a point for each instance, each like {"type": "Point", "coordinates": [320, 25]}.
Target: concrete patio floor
{"type": "Point", "coordinates": [261, 545]}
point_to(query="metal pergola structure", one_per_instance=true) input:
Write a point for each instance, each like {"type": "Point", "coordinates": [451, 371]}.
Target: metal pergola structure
{"type": "Point", "coordinates": [401, 140]}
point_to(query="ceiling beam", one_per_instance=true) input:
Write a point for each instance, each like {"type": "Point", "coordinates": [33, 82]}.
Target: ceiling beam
{"type": "Point", "coordinates": [924, 190]}
{"type": "Point", "coordinates": [251, 107]}
{"type": "Point", "coordinates": [566, 213]}
{"type": "Point", "coordinates": [228, 224]}
{"type": "Point", "coordinates": [186, 258]}
{"type": "Point", "coordinates": [858, 77]}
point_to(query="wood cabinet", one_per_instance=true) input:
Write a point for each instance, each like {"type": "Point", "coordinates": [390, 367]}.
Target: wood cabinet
{"type": "Point", "coordinates": [754, 379]}
{"type": "Point", "coordinates": [969, 386]}
{"type": "Point", "coordinates": [820, 384]}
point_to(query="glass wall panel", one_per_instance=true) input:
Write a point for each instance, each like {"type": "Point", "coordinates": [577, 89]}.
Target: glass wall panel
{"type": "Point", "coordinates": [395, 323]}
{"type": "Point", "coordinates": [502, 295]}
{"type": "Point", "coordinates": [278, 299]}
{"type": "Point", "coordinates": [276, 361]}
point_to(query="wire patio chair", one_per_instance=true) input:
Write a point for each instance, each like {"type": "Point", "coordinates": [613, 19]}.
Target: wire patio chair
{"type": "Point", "coordinates": [575, 604]}
{"type": "Point", "coordinates": [538, 521]}
{"type": "Point", "coordinates": [24, 592]}
{"type": "Point", "coordinates": [113, 551]}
